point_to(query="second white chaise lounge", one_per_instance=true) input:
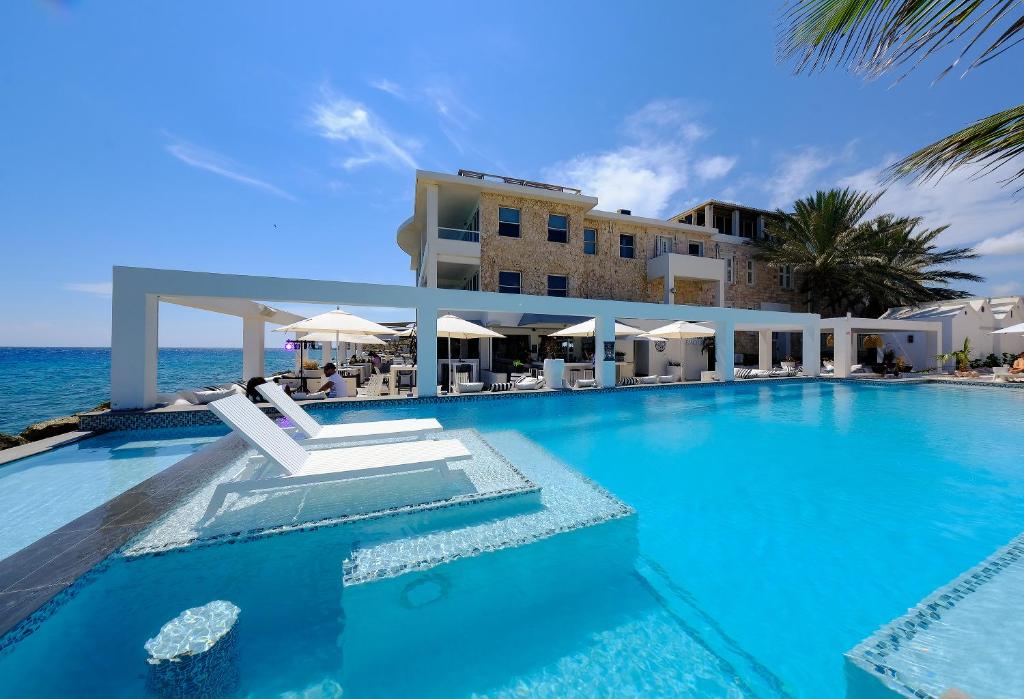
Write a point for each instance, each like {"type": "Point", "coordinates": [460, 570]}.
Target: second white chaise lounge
{"type": "Point", "coordinates": [296, 466]}
{"type": "Point", "coordinates": [312, 431]}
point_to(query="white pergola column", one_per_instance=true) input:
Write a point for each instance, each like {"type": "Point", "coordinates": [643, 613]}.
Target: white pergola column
{"type": "Point", "coordinates": [764, 349]}
{"type": "Point", "coordinates": [736, 222]}
{"type": "Point", "coordinates": [134, 346]}
{"type": "Point", "coordinates": [812, 349]}
{"type": "Point", "coordinates": [604, 331]}
{"type": "Point", "coordinates": [426, 352]}
{"type": "Point", "coordinates": [725, 350]}
{"type": "Point", "coordinates": [842, 346]}
{"type": "Point", "coordinates": [709, 215]}
{"type": "Point", "coordinates": [253, 348]}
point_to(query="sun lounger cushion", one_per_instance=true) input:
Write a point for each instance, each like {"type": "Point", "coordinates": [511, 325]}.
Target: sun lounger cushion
{"type": "Point", "coordinates": [647, 380]}
{"type": "Point", "coordinates": [628, 381]}
{"type": "Point", "coordinates": [529, 384]}
{"type": "Point", "coordinates": [501, 386]}
{"type": "Point", "coordinates": [586, 383]}
{"type": "Point", "coordinates": [743, 373]}
{"type": "Point", "coordinates": [667, 379]}
{"type": "Point", "coordinates": [470, 386]}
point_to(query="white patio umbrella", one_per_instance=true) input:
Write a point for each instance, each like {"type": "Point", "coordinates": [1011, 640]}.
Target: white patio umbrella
{"type": "Point", "coordinates": [678, 330]}
{"type": "Point", "coordinates": [1012, 330]}
{"type": "Point", "coordinates": [588, 327]}
{"type": "Point", "coordinates": [341, 337]}
{"type": "Point", "coordinates": [337, 323]}
{"type": "Point", "coordinates": [452, 326]}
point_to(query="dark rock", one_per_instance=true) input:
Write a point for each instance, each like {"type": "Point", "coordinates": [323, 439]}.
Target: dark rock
{"type": "Point", "coordinates": [11, 440]}
{"type": "Point", "coordinates": [50, 428]}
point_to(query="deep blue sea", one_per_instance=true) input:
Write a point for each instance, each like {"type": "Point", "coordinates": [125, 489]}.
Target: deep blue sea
{"type": "Point", "coordinates": [38, 383]}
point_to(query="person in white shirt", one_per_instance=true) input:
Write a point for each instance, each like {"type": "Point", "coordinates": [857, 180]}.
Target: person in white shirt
{"type": "Point", "coordinates": [334, 384]}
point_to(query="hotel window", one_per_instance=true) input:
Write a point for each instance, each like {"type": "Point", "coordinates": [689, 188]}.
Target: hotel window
{"type": "Point", "coordinates": [730, 272]}
{"type": "Point", "coordinates": [748, 228]}
{"type": "Point", "coordinates": [695, 248]}
{"type": "Point", "coordinates": [786, 276]}
{"type": "Point", "coordinates": [558, 228]}
{"type": "Point", "coordinates": [750, 273]}
{"type": "Point", "coordinates": [558, 285]}
{"type": "Point", "coordinates": [510, 282]}
{"type": "Point", "coordinates": [508, 222]}
{"type": "Point", "coordinates": [589, 241]}
{"type": "Point", "coordinates": [627, 246]}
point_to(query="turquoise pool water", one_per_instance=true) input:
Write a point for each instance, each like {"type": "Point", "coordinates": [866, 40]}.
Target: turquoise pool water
{"type": "Point", "coordinates": [39, 494]}
{"type": "Point", "coordinates": [777, 526]}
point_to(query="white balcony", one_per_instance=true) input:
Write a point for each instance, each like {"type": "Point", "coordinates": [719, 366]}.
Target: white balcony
{"type": "Point", "coordinates": [670, 266]}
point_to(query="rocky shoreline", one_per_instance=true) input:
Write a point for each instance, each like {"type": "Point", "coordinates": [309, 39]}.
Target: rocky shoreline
{"type": "Point", "coordinates": [44, 429]}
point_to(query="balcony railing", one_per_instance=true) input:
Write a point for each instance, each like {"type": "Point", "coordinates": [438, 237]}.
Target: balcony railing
{"type": "Point", "coordinates": [458, 234]}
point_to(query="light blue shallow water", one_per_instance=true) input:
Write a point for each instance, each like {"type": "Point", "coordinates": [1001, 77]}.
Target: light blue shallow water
{"type": "Point", "coordinates": [42, 493]}
{"type": "Point", "coordinates": [777, 526]}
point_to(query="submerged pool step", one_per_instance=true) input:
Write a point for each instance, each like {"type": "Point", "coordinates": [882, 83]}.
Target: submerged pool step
{"type": "Point", "coordinates": [967, 635]}
{"type": "Point", "coordinates": [568, 501]}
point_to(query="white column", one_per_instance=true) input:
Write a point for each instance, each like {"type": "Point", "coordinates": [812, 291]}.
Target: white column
{"type": "Point", "coordinates": [426, 352]}
{"type": "Point", "coordinates": [725, 350]}
{"type": "Point", "coordinates": [670, 298]}
{"type": "Point", "coordinates": [604, 332]}
{"type": "Point", "coordinates": [709, 215]}
{"type": "Point", "coordinates": [431, 233]}
{"type": "Point", "coordinates": [735, 222]}
{"type": "Point", "coordinates": [721, 292]}
{"type": "Point", "coordinates": [812, 349]}
{"type": "Point", "coordinates": [134, 343]}
{"type": "Point", "coordinates": [841, 342]}
{"type": "Point", "coordinates": [325, 352]}
{"type": "Point", "coordinates": [253, 350]}
{"type": "Point", "coordinates": [764, 349]}
{"type": "Point", "coordinates": [932, 344]}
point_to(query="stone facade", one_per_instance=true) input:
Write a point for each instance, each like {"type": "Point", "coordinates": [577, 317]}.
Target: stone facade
{"type": "Point", "coordinates": [607, 275]}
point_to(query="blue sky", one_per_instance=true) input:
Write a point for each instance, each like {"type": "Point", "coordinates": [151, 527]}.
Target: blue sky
{"type": "Point", "coordinates": [267, 138]}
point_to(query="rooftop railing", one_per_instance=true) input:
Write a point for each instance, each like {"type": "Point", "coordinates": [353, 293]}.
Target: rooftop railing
{"type": "Point", "coordinates": [522, 183]}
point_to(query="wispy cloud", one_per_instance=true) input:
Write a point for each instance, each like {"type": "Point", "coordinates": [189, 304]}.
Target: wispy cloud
{"type": "Point", "coordinates": [1009, 244]}
{"type": "Point", "coordinates": [94, 288]}
{"type": "Point", "coordinates": [715, 167]}
{"type": "Point", "coordinates": [391, 88]}
{"type": "Point", "coordinates": [218, 164]}
{"type": "Point", "coordinates": [795, 175]}
{"type": "Point", "coordinates": [647, 172]}
{"type": "Point", "coordinates": [1008, 289]}
{"type": "Point", "coordinates": [342, 119]}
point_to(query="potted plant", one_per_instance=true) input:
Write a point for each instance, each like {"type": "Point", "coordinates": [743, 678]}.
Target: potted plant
{"type": "Point", "coordinates": [789, 364]}
{"type": "Point", "coordinates": [962, 359]}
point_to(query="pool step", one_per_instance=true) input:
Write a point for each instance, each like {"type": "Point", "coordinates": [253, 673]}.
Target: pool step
{"type": "Point", "coordinates": [568, 501]}
{"type": "Point", "coordinates": [966, 635]}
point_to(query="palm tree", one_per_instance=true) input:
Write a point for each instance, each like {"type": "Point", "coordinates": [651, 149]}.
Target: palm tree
{"type": "Point", "coordinates": [845, 262]}
{"type": "Point", "coordinates": [961, 357]}
{"type": "Point", "coordinates": [874, 37]}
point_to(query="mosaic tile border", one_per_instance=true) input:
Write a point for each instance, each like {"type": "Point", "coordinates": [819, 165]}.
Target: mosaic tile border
{"type": "Point", "coordinates": [870, 655]}
{"type": "Point", "coordinates": [622, 510]}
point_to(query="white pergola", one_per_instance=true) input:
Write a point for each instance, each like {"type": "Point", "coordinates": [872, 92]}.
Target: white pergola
{"type": "Point", "coordinates": [255, 317]}
{"type": "Point", "coordinates": [845, 330]}
{"type": "Point", "coordinates": [138, 291]}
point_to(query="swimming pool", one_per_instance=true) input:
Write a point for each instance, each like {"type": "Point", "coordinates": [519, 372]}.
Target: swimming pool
{"type": "Point", "coordinates": [41, 493]}
{"type": "Point", "coordinates": [777, 525]}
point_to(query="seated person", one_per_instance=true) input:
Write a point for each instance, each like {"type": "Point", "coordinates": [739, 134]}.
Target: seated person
{"type": "Point", "coordinates": [334, 384]}
{"type": "Point", "coordinates": [1018, 365]}
{"type": "Point", "coordinates": [250, 389]}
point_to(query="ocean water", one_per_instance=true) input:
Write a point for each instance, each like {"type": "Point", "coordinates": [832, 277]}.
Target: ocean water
{"type": "Point", "coordinates": [39, 383]}
{"type": "Point", "coordinates": [777, 526]}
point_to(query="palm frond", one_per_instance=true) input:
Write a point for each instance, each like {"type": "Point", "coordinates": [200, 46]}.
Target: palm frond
{"type": "Point", "coordinates": [872, 37]}
{"type": "Point", "coordinates": [991, 142]}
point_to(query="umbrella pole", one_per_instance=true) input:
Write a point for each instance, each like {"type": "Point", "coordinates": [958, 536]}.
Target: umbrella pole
{"type": "Point", "coordinates": [449, 363]}
{"type": "Point", "coordinates": [681, 353]}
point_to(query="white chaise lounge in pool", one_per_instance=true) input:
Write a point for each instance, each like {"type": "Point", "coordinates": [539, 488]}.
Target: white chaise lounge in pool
{"type": "Point", "coordinates": [300, 467]}
{"type": "Point", "coordinates": [314, 432]}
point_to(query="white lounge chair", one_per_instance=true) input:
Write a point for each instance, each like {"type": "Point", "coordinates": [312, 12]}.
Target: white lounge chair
{"type": "Point", "coordinates": [372, 388]}
{"type": "Point", "coordinates": [313, 432]}
{"type": "Point", "coordinates": [301, 467]}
